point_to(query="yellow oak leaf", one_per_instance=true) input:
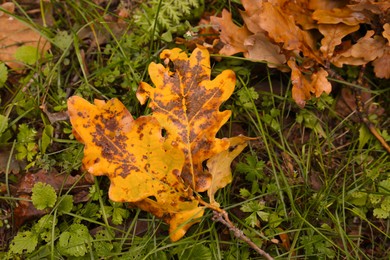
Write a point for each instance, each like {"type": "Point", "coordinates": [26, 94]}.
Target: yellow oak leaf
{"type": "Point", "coordinates": [186, 103]}
{"type": "Point", "coordinates": [144, 168]}
{"type": "Point", "coordinates": [219, 165]}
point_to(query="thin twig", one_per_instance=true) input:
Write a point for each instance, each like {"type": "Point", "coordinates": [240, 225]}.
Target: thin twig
{"type": "Point", "coordinates": [223, 217]}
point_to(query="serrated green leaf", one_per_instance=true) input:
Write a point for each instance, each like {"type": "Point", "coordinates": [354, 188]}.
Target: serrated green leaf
{"type": "Point", "coordinates": [274, 220]}
{"type": "Point", "coordinates": [251, 220]}
{"type": "Point", "coordinates": [385, 205]}
{"type": "Point", "coordinates": [384, 186]}
{"type": "Point", "coordinates": [359, 198]}
{"type": "Point", "coordinates": [375, 198]}
{"type": "Point", "coordinates": [381, 213]}
{"type": "Point", "coordinates": [118, 215]}
{"type": "Point", "coordinates": [102, 243]}
{"type": "Point", "coordinates": [245, 193]}
{"type": "Point", "coordinates": [75, 241]}
{"type": "Point", "coordinates": [26, 134]}
{"type": "Point", "coordinates": [24, 242]}
{"type": "Point", "coordinates": [197, 252]}
{"type": "Point", "coordinates": [252, 206]}
{"type": "Point", "coordinates": [62, 40]}
{"type": "Point", "coordinates": [45, 226]}
{"type": "Point", "coordinates": [43, 196]}
{"type": "Point", "coordinates": [263, 215]}
{"type": "Point", "coordinates": [27, 54]}
{"type": "Point", "coordinates": [65, 204]}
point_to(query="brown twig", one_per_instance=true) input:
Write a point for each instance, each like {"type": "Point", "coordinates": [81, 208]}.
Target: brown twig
{"type": "Point", "coordinates": [224, 219]}
{"type": "Point", "coordinates": [221, 215]}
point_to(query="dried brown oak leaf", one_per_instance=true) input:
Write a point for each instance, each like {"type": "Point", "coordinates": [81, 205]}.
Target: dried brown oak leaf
{"type": "Point", "coordinates": [239, 39]}
{"type": "Point", "coordinates": [306, 85]}
{"type": "Point", "coordinates": [143, 167]}
{"type": "Point", "coordinates": [333, 34]}
{"type": "Point", "coordinates": [282, 28]}
{"type": "Point", "coordinates": [366, 49]}
{"type": "Point", "coordinates": [13, 34]}
{"type": "Point", "coordinates": [186, 103]}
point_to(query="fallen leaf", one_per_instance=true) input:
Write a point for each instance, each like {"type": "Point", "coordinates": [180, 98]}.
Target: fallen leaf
{"type": "Point", "coordinates": [14, 34]}
{"type": "Point", "coordinates": [382, 64]}
{"type": "Point", "coordinates": [281, 28]}
{"type": "Point", "coordinates": [156, 162]}
{"type": "Point", "coordinates": [340, 15]}
{"type": "Point", "coordinates": [304, 86]}
{"type": "Point", "coordinates": [320, 83]}
{"type": "Point", "coordinates": [301, 86]}
{"type": "Point", "coordinates": [357, 54]}
{"type": "Point", "coordinates": [374, 7]}
{"type": "Point", "coordinates": [186, 102]}
{"type": "Point", "coordinates": [386, 32]}
{"type": "Point", "coordinates": [326, 5]}
{"type": "Point", "coordinates": [230, 34]}
{"type": "Point", "coordinates": [143, 167]}
{"type": "Point", "coordinates": [251, 15]}
{"type": "Point", "coordinates": [333, 33]}
{"type": "Point", "coordinates": [260, 48]}
{"type": "Point", "coordinates": [219, 166]}
{"type": "Point", "coordinates": [14, 166]}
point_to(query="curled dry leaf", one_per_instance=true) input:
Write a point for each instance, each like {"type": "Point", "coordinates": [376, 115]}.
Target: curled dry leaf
{"type": "Point", "coordinates": [382, 64]}
{"type": "Point", "coordinates": [333, 33]}
{"type": "Point", "coordinates": [219, 165]}
{"type": "Point", "coordinates": [340, 15]}
{"type": "Point", "coordinates": [13, 34]}
{"type": "Point", "coordinates": [358, 53]}
{"type": "Point", "coordinates": [186, 102]}
{"type": "Point", "coordinates": [239, 39]}
{"type": "Point", "coordinates": [230, 34]}
{"type": "Point", "coordinates": [281, 28]}
{"type": "Point", "coordinates": [386, 32]}
{"type": "Point", "coordinates": [304, 86]}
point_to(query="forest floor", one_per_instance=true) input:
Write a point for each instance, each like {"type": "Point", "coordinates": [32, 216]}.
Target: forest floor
{"type": "Point", "coordinates": [314, 183]}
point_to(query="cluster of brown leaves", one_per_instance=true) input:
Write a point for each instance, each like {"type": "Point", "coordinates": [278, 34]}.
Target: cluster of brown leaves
{"type": "Point", "coordinates": [159, 172]}
{"type": "Point", "coordinates": [308, 36]}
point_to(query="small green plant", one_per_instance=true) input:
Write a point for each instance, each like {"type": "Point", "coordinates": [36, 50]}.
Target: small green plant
{"type": "Point", "coordinates": [43, 196]}
{"type": "Point", "coordinates": [26, 147]}
{"type": "Point", "coordinates": [316, 246]}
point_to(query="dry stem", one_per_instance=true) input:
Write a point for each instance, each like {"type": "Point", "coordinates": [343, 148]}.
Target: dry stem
{"type": "Point", "coordinates": [221, 215]}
